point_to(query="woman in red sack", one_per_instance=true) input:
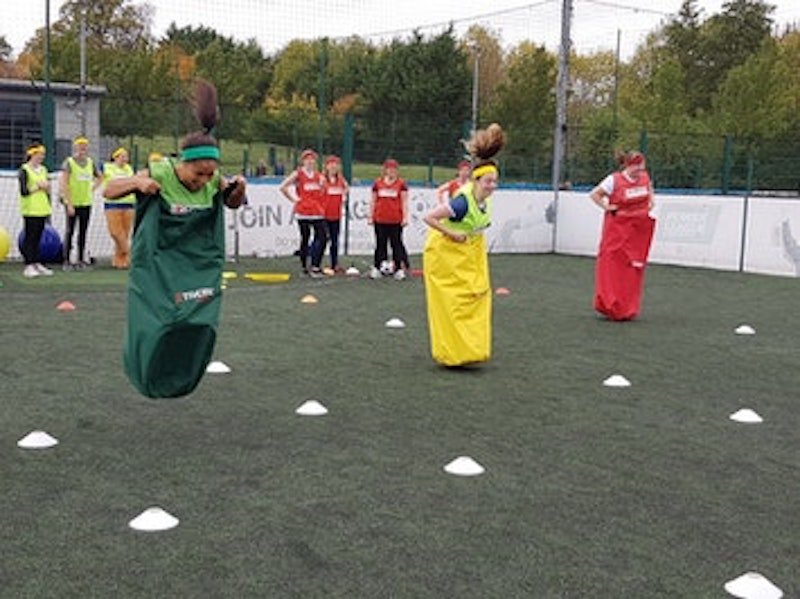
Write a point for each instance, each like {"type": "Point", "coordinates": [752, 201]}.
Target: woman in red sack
{"type": "Point", "coordinates": [626, 196]}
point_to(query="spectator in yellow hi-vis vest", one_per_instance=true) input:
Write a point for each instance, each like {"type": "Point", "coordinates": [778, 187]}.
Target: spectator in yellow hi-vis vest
{"type": "Point", "coordinates": [34, 200]}
{"type": "Point", "coordinates": [78, 179]}
{"type": "Point", "coordinates": [119, 211]}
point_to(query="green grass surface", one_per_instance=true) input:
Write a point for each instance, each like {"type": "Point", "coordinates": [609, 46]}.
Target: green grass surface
{"type": "Point", "coordinates": [644, 492]}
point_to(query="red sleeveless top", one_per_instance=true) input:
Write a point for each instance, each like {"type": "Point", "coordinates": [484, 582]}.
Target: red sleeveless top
{"type": "Point", "coordinates": [332, 196]}
{"type": "Point", "coordinates": [309, 195]}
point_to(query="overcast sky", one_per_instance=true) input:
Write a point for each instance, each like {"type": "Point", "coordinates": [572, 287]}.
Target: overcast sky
{"type": "Point", "coordinates": [275, 22]}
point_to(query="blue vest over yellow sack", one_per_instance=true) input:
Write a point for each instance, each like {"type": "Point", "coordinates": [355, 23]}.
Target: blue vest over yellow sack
{"type": "Point", "coordinates": [174, 295]}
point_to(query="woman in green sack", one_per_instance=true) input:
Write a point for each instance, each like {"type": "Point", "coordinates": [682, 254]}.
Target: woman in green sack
{"type": "Point", "coordinates": [178, 251]}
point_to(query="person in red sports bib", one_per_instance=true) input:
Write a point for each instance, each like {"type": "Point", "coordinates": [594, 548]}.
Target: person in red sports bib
{"type": "Point", "coordinates": [309, 209]}
{"type": "Point", "coordinates": [388, 212]}
{"type": "Point", "coordinates": [447, 191]}
{"type": "Point", "coordinates": [334, 191]}
{"type": "Point", "coordinates": [626, 196]}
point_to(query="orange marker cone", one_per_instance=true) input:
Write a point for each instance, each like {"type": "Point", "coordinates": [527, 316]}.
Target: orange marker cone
{"type": "Point", "coordinates": [66, 306]}
{"type": "Point", "coordinates": [502, 291]}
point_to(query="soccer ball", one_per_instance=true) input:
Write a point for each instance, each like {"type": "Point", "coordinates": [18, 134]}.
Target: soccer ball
{"type": "Point", "coordinates": [387, 268]}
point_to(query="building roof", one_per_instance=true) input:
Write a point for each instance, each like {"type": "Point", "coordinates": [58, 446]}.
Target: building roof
{"type": "Point", "coordinates": [56, 87]}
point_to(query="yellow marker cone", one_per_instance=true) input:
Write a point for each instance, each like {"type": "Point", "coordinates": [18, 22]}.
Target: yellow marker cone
{"type": "Point", "coordinates": [309, 299]}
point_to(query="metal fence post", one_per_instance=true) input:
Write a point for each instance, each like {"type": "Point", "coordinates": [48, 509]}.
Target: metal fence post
{"type": "Point", "coordinates": [727, 160]}
{"type": "Point", "coordinates": [347, 171]}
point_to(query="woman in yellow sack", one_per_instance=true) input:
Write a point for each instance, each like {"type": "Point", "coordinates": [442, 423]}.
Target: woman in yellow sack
{"type": "Point", "coordinates": [455, 264]}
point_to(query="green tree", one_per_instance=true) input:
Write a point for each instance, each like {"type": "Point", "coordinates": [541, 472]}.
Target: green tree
{"type": "Point", "coordinates": [682, 36]}
{"type": "Point", "coordinates": [296, 71]}
{"type": "Point", "coordinates": [141, 99]}
{"type": "Point", "coordinates": [487, 44]}
{"type": "Point", "coordinates": [191, 39]}
{"type": "Point", "coordinates": [729, 39]}
{"type": "Point", "coordinates": [525, 106]}
{"type": "Point", "coordinates": [241, 74]}
{"type": "Point", "coordinates": [417, 98]}
{"type": "Point", "coordinates": [109, 23]}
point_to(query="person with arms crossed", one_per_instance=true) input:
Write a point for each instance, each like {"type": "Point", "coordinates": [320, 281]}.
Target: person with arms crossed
{"type": "Point", "coordinates": [34, 201]}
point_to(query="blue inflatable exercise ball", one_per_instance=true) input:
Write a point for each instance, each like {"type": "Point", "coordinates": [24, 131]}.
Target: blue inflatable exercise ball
{"type": "Point", "coordinates": [5, 243]}
{"type": "Point", "coordinates": [50, 246]}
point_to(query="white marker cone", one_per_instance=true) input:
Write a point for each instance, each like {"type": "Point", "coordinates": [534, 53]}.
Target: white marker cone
{"type": "Point", "coordinates": [744, 329]}
{"type": "Point", "coordinates": [37, 440]}
{"type": "Point", "coordinates": [217, 367]}
{"type": "Point", "coordinates": [464, 466]}
{"type": "Point", "coordinates": [395, 323]}
{"type": "Point", "coordinates": [311, 408]}
{"type": "Point", "coordinates": [309, 299]}
{"type": "Point", "coordinates": [617, 380]}
{"type": "Point", "coordinates": [352, 272]}
{"type": "Point", "coordinates": [752, 585]}
{"type": "Point", "coordinates": [153, 519]}
{"type": "Point", "coordinates": [746, 415]}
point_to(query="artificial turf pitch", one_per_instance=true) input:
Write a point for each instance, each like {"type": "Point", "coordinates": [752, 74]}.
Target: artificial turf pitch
{"type": "Point", "coordinates": [644, 492]}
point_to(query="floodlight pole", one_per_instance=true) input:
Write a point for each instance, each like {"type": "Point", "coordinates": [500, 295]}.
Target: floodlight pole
{"type": "Point", "coordinates": [83, 69]}
{"type": "Point", "coordinates": [46, 107]}
{"type": "Point", "coordinates": [562, 85]}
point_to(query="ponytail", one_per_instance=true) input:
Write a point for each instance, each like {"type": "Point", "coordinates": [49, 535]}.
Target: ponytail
{"type": "Point", "coordinates": [483, 146]}
{"type": "Point", "coordinates": [206, 111]}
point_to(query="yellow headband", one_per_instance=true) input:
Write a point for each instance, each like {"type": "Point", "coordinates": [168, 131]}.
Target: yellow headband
{"type": "Point", "coordinates": [80, 140]}
{"type": "Point", "coordinates": [35, 150]}
{"type": "Point", "coordinates": [483, 170]}
{"type": "Point", "coordinates": [118, 152]}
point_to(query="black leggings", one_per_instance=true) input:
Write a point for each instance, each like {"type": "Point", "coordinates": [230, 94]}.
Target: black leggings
{"type": "Point", "coordinates": [333, 235]}
{"type": "Point", "coordinates": [320, 238]}
{"type": "Point", "coordinates": [393, 235]}
{"type": "Point", "coordinates": [34, 226]}
{"type": "Point", "coordinates": [82, 215]}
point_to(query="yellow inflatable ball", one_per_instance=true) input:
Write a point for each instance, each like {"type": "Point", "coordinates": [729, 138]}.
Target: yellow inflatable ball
{"type": "Point", "coordinates": [5, 243]}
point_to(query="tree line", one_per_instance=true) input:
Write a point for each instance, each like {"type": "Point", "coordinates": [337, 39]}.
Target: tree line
{"type": "Point", "coordinates": [702, 94]}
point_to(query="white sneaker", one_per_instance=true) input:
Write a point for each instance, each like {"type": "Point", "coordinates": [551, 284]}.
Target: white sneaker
{"type": "Point", "coordinates": [374, 273]}
{"type": "Point", "coordinates": [400, 275]}
{"type": "Point", "coordinates": [30, 272]}
{"type": "Point", "coordinates": [43, 270]}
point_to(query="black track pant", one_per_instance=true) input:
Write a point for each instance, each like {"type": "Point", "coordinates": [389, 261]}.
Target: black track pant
{"type": "Point", "coordinates": [34, 226]}
{"type": "Point", "coordinates": [390, 235]}
{"type": "Point", "coordinates": [82, 214]}
{"type": "Point", "coordinates": [320, 238]}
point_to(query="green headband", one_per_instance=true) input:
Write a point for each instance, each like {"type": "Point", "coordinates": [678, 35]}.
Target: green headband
{"type": "Point", "coordinates": [200, 153]}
